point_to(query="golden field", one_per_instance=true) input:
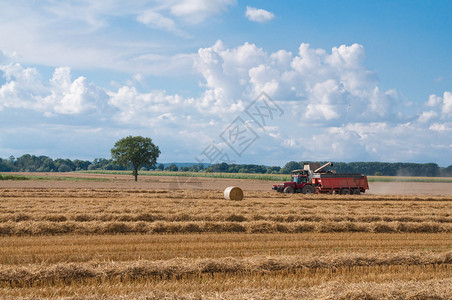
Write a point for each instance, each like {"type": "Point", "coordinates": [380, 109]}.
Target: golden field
{"type": "Point", "coordinates": [77, 241]}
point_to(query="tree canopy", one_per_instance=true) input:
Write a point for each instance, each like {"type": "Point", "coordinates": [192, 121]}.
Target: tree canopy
{"type": "Point", "coordinates": [136, 151]}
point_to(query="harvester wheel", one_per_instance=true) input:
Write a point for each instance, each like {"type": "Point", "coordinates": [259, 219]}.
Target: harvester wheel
{"type": "Point", "coordinates": [289, 190]}
{"type": "Point", "coordinates": [345, 192]}
{"type": "Point", "coordinates": [356, 192]}
{"type": "Point", "coordinates": [308, 189]}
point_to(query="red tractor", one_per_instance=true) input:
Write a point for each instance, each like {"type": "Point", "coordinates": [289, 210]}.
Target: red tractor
{"type": "Point", "coordinates": [307, 181]}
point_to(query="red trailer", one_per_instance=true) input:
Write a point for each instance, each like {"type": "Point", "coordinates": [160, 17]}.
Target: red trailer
{"type": "Point", "coordinates": [307, 181]}
{"type": "Point", "coordinates": [340, 183]}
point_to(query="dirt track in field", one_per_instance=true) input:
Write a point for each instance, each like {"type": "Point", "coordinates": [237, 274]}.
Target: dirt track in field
{"type": "Point", "coordinates": [199, 183]}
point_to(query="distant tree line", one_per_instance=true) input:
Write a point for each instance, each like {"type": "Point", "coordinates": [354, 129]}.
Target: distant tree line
{"type": "Point", "coordinates": [380, 168]}
{"type": "Point", "coordinates": [367, 168]}
{"type": "Point", "coordinates": [32, 163]}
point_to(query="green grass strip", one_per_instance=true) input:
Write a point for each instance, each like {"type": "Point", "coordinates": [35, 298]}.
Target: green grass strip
{"type": "Point", "coordinates": [64, 178]}
{"type": "Point", "coordinates": [13, 177]}
{"type": "Point", "coordinates": [58, 178]}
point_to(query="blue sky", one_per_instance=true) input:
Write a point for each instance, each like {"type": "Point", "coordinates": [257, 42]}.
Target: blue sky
{"type": "Point", "coordinates": [345, 80]}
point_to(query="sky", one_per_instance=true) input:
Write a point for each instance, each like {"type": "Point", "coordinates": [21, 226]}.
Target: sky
{"type": "Point", "coordinates": [261, 82]}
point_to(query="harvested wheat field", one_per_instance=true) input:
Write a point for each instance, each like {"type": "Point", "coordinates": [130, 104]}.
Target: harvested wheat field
{"type": "Point", "coordinates": [112, 240]}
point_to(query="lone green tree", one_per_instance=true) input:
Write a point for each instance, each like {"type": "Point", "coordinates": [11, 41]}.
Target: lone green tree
{"type": "Point", "coordinates": [135, 151]}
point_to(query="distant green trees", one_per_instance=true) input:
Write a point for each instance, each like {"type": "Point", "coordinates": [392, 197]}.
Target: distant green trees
{"type": "Point", "coordinates": [367, 168]}
{"type": "Point", "coordinates": [172, 168]}
{"type": "Point", "coordinates": [380, 168]}
{"type": "Point", "coordinates": [32, 163]}
{"type": "Point", "coordinates": [393, 169]}
{"type": "Point", "coordinates": [291, 165]}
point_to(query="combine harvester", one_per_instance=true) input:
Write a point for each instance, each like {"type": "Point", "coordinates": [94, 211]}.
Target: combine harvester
{"type": "Point", "coordinates": [314, 179]}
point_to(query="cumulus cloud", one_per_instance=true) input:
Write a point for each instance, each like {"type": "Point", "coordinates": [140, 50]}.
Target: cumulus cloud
{"type": "Point", "coordinates": [441, 107]}
{"type": "Point", "coordinates": [72, 97]}
{"type": "Point", "coordinates": [143, 108]}
{"type": "Point", "coordinates": [434, 100]}
{"type": "Point", "coordinates": [335, 105]}
{"type": "Point", "coordinates": [24, 88]}
{"type": "Point", "coordinates": [327, 86]}
{"type": "Point", "coordinates": [258, 15]}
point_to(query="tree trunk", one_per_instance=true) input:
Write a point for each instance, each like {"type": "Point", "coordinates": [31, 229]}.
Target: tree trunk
{"type": "Point", "coordinates": [135, 173]}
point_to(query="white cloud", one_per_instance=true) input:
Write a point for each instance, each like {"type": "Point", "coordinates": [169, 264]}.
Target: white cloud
{"type": "Point", "coordinates": [441, 127]}
{"type": "Point", "coordinates": [258, 15]}
{"type": "Point", "coordinates": [434, 100]}
{"type": "Point", "coordinates": [74, 97]}
{"type": "Point", "coordinates": [447, 103]}
{"type": "Point", "coordinates": [379, 142]}
{"type": "Point", "coordinates": [196, 11]}
{"type": "Point", "coordinates": [25, 89]}
{"type": "Point", "coordinates": [142, 108]}
{"type": "Point", "coordinates": [84, 34]}
{"type": "Point", "coordinates": [427, 116]}
{"type": "Point", "coordinates": [328, 87]}
{"type": "Point", "coordinates": [325, 93]}
{"type": "Point", "coordinates": [290, 143]}
{"type": "Point", "coordinates": [156, 20]}
{"type": "Point", "coordinates": [441, 107]}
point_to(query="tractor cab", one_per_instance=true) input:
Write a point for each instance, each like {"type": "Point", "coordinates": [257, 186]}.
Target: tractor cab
{"type": "Point", "coordinates": [300, 176]}
{"type": "Point", "coordinates": [301, 183]}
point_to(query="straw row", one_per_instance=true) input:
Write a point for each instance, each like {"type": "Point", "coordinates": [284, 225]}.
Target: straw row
{"type": "Point", "coordinates": [61, 228]}
{"type": "Point", "coordinates": [30, 275]}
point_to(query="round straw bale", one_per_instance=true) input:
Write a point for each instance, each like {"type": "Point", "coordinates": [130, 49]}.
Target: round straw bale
{"type": "Point", "coordinates": [233, 193]}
